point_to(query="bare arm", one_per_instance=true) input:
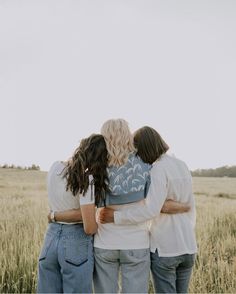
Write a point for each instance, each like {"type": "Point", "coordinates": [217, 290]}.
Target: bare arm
{"type": "Point", "coordinates": [74, 215]}
{"type": "Point", "coordinates": [69, 216]}
{"type": "Point", "coordinates": [173, 207]}
{"type": "Point", "coordinates": [88, 212]}
{"type": "Point", "coordinates": [85, 213]}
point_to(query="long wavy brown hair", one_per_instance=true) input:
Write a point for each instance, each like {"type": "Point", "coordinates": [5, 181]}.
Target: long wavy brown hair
{"type": "Point", "coordinates": [90, 158]}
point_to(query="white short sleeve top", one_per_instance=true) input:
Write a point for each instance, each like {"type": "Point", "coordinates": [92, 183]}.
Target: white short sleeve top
{"type": "Point", "coordinates": [59, 199]}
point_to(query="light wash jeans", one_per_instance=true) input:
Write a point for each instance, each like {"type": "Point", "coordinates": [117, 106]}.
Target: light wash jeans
{"type": "Point", "coordinates": [66, 260]}
{"type": "Point", "coordinates": [171, 274]}
{"type": "Point", "coordinates": [132, 266]}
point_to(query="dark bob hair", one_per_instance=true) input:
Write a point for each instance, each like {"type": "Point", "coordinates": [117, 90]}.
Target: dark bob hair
{"type": "Point", "coordinates": [149, 144]}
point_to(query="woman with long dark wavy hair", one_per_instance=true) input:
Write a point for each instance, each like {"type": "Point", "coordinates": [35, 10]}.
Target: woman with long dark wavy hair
{"type": "Point", "coordinates": [66, 260]}
{"type": "Point", "coordinates": [122, 251]}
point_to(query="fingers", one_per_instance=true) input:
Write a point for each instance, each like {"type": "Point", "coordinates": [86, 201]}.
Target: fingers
{"type": "Point", "coordinates": [103, 215]}
{"type": "Point", "coordinates": [106, 215]}
{"type": "Point", "coordinates": [102, 221]}
{"type": "Point", "coordinates": [100, 217]}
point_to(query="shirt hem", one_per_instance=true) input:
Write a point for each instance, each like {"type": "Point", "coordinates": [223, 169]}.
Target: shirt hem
{"type": "Point", "coordinates": [161, 254]}
{"type": "Point", "coordinates": [65, 223]}
{"type": "Point", "coordinates": [121, 247]}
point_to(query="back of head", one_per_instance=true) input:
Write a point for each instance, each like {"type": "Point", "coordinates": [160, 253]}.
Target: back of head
{"type": "Point", "coordinates": [149, 144]}
{"type": "Point", "coordinates": [89, 158]}
{"type": "Point", "coordinates": [119, 141]}
{"type": "Point", "coordinates": [95, 153]}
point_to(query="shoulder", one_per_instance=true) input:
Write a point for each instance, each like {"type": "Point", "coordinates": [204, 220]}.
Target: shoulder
{"type": "Point", "coordinates": [161, 163]}
{"type": "Point", "coordinates": [89, 197]}
{"type": "Point", "coordinates": [91, 181]}
{"type": "Point", "coordinates": [137, 160]}
{"type": "Point", "coordinates": [178, 162]}
{"type": "Point", "coordinates": [55, 165]}
{"type": "Point", "coordinates": [169, 165]}
{"type": "Point", "coordinates": [160, 167]}
{"type": "Point", "coordinates": [56, 168]}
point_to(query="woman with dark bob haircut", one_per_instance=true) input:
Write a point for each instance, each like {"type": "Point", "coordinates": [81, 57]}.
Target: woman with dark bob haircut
{"type": "Point", "coordinates": [149, 144]}
{"type": "Point", "coordinates": [66, 260]}
{"type": "Point", "coordinates": [173, 243]}
{"type": "Point", "coordinates": [122, 253]}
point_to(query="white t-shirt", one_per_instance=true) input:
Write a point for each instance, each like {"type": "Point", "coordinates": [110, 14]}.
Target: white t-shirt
{"type": "Point", "coordinates": [123, 237]}
{"type": "Point", "coordinates": [171, 234]}
{"type": "Point", "coordinates": [59, 199]}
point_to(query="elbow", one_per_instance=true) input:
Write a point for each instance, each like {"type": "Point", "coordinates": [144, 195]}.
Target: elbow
{"type": "Point", "coordinates": [90, 230]}
{"type": "Point", "coordinates": [187, 208]}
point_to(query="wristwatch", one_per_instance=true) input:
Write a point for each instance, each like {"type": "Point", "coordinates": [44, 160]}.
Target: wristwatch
{"type": "Point", "coordinates": [52, 216]}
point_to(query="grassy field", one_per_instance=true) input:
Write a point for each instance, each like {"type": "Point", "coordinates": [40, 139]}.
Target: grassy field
{"type": "Point", "coordinates": [23, 222]}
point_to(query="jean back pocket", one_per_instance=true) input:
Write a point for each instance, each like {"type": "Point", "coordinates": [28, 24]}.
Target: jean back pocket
{"type": "Point", "coordinates": [76, 252]}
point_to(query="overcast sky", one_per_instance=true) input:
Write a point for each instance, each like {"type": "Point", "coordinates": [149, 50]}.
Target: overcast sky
{"type": "Point", "coordinates": [68, 66]}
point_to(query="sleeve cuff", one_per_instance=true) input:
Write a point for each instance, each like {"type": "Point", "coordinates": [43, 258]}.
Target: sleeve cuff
{"type": "Point", "coordinates": [117, 219]}
{"type": "Point", "coordinates": [84, 200]}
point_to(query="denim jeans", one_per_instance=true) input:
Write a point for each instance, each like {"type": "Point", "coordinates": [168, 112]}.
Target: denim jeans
{"type": "Point", "coordinates": [66, 260]}
{"type": "Point", "coordinates": [171, 274]}
{"type": "Point", "coordinates": [132, 266]}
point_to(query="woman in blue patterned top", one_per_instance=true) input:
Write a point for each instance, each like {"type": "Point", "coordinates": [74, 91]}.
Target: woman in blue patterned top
{"type": "Point", "coordinates": [121, 250]}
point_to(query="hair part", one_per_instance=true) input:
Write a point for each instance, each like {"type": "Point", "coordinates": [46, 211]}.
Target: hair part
{"type": "Point", "coordinates": [119, 141]}
{"type": "Point", "coordinates": [149, 144]}
{"type": "Point", "coordinates": [89, 158]}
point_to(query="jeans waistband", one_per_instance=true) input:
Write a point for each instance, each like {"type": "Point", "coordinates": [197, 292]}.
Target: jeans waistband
{"type": "Point", "coordinates": [64, 228]}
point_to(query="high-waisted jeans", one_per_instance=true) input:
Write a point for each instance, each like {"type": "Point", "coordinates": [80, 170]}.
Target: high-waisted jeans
{"type": "Point", "coordinates": [66, 260]}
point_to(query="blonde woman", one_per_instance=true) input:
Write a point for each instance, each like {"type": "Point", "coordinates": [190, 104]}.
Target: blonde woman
{"type": "Point", "coordinates": [122, 250]}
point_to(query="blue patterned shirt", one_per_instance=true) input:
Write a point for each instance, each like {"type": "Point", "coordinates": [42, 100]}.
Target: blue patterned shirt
{"type": "Point", "coordinates": [129, 182]}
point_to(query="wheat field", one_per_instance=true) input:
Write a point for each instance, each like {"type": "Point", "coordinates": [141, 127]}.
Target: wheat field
{"type": "Point", "coordinates": [23, 222]}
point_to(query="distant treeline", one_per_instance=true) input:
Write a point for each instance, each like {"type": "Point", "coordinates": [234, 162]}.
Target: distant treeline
{"type": "Point", "coordinates": [224, 171]}
{"type": "Point", "coordinates": [32, 167]}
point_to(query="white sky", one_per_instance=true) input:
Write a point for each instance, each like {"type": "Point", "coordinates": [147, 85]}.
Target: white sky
{"type": "Point", "coordinates": [68, 66]}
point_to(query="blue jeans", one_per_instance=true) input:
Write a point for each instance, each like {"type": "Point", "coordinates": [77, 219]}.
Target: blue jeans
{"type": "Point", "coordinates": [66, 260]}
{"type": "Point", "coordinates": [132, 265]}
{"type": "Point", "coordinates": [171, 274]}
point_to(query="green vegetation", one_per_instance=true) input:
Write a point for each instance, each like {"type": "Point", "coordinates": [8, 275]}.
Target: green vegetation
{"type": "Point", "coordinates": [32, 167]}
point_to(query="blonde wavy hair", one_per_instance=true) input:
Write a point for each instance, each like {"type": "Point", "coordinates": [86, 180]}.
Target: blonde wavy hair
{"type": "Point", "coordinates": [119, 141]}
